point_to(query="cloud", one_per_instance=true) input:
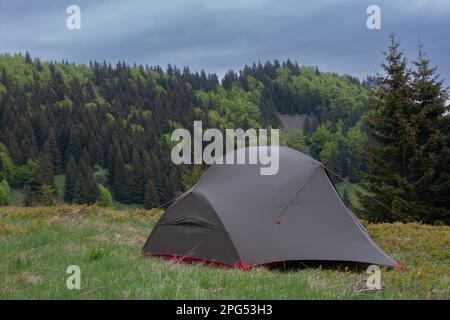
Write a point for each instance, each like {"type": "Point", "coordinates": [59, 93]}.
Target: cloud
{"type": "Point", "coordinates": [218, 35]}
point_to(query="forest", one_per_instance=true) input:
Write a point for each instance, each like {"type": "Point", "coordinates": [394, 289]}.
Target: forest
{"type": "Point", "coordinates": [106, 129]}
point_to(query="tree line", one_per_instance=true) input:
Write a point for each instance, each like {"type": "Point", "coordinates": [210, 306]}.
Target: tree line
{"type": "Point", "coordinates": [109, 126]}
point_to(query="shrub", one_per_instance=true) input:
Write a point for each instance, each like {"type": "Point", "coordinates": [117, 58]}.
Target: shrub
{"type": "Point", "coordinates": [104, 198]}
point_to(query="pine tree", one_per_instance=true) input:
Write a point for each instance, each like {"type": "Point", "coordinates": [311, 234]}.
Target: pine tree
{"type": "Point", "coordinates": [86, 188]}
{"type": "Point", "coordinates": [120, 187]}
{"type": "Point", "coordinates": [71, 180]}
{"type": "Point", "coordinates": [136, 180]}
{"type": "Point", "coordinates": [30, 197]}
{"type": "Point", "coordinates": [51, 148]}
{"type": "Point", "coordinates": [28, 57]}
{"type": "Point", "coordinates": [391, 140]}
{"type": "Point", "coordinates": [151, 199]}
{"type": "Point", "coordinates": [408, 144]}
{"type": "Point", "coordinates": [429, 164]}
{"type": "Point", "coordinates": [45, 171]}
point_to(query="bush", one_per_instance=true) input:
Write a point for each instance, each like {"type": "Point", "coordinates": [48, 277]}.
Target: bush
{"type": "Point", "coordinates": [47, 195]}
{"type": "Point", "coordinates": [4, 192]}
{"type": "Point", "coordinates": [104, 197]}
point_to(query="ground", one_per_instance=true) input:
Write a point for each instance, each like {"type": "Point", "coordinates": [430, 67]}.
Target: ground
{"type": "Point", "coordinates": [38, 244]}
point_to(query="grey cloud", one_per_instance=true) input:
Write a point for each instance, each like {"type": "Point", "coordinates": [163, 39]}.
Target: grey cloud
{"type": "Point", "coordinates": [218, 35]}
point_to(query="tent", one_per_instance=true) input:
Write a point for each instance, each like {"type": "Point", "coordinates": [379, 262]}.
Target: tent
{"type": "Point", "coordinates": [236, 217]}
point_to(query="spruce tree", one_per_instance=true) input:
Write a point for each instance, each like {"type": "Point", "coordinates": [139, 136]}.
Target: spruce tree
{"type": "Point", "coordinates": [430, 162]}
{"type": "Point", "coordinates": [71, 180]}
{"type": "Point", "coordinates": [45, 171]}
{"type": "Point", "coordinates": [86, 188]}
{"type": "Point", "coordinates": [151, 199]}
{"type": "Point", "coordinates": [408, 151]}
{"type": "Point", "coordinates": [51, 148]}
{"type": "Point", "coordinates": [120, 186]}
{"type": "Point", "coordinates": [136, 180]}
{"type": "Point", "coordinates": [391, 140]}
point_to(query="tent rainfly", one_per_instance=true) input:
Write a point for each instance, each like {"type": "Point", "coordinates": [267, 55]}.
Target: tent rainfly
{"type": "Point", "coordinates": [236, 217]}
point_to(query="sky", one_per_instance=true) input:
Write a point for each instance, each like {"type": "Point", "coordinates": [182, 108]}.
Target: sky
{"type": "Point", "coordinates": [218, 35]}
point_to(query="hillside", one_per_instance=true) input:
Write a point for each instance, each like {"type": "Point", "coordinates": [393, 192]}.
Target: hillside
{"type": "Point", "coordinates": [38, 244]}
{"type": "Point", "coordinates": [107, 128]}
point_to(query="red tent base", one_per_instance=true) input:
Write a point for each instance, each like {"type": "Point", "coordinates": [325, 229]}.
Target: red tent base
{"type": "Point", "coordinates": [238, 265]}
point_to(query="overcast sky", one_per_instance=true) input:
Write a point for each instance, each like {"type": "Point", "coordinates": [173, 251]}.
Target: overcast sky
{"type": "Point", "coordinates": [217, 35]}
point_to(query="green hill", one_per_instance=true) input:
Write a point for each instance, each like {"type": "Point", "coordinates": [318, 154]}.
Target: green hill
{"type": "Point", "coordinates": [117, 120]}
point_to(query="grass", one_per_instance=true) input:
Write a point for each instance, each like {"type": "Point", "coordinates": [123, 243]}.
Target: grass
{"type": "Point", "coordinates": [60, 181]}
{"type": "Point", "coordinates": [124, 206]}
{"type": "Point", "coordinates": [38, 244]}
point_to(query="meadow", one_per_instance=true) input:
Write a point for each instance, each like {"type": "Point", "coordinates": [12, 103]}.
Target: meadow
{"type": "Point", "coordinates": [38, 244]}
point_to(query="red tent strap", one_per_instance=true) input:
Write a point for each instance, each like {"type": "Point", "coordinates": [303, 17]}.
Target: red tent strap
{"type": "Point", "coordinates": [401, 267]}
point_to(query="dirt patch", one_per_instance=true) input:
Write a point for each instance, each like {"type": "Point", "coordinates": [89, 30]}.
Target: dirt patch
{"type": "Point", "coordinates": [30, 278]}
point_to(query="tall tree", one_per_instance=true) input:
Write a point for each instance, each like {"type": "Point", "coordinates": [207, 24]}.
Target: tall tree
{"type": "Point", "coordinates": [120, 186]}
{"type": "Point", "coordinates": [391, 139]}
{"type": "Point", "coordinates": [151, 199]}
{"type": "Point", "coordinates": [45, 170]}
{"type": "Point", "coordinates": [136, 179]}
{"type": "Point", "coordinates": [71, 180]}
{"type": "Point", "coordinates": [401, 132]}
{"type": "Point", "coordinates": [430, 162]}
{"type": "Point", "coordinates": [86, 188]}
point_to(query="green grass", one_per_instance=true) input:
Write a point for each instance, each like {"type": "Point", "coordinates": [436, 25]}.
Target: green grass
{"type": "Point", "coordinates": [38, 244]}
{"type": "Point", "coordinates": [124, 206]}
{"type": "Point", "coordinates": [60, 181]}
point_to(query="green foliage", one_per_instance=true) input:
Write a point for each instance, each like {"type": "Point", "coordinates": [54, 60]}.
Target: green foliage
{"type": "Point", "coordinates": [59, 183]}
{"type": "Point", "coordinates": [101, 175]}
{"type": "Point", "coordinates": [192, 176]}
{"type": "Point", "coordinates": [104, 197]}
{"type": "Point", "coordinates": [346, 198]}
{"type": "Point", "coordinates": [25, 174]}
{"type": "Point", "coordinates": [151, 199]}
{"type": "Point", "coordinates": [110, 118]}
{"type": "Point", "coordinates": [47, 193]}
{"type": "Point", "coordinates": [61, 109]}
{"type": "Point", "coordinates": [66, 103]}
{"type": "Point", "coordinates": [340, 151]}
{"type": "Point", "coordinates": [296, 139]}
{"type": "Point", "coordinates": [70, 181]}
{"type": "Point", "coordinates": [4, 192]}
{"type": "Point", "coordinates": [86, 188]}
{"type": "Point", "coordinates": [232, 109]}
{"type": "Point", "coordinates": [7, 166]}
